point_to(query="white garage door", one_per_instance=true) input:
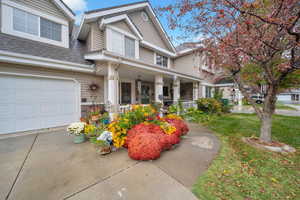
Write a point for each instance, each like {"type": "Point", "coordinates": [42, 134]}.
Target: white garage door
{"type": "Point", "coordinates": [30, 103]}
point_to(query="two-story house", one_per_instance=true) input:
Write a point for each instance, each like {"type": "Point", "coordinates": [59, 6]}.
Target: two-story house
{"type": "Point", "coordinates": [51, 71]}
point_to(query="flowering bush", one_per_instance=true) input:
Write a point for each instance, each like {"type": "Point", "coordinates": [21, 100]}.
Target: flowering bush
{"type": "Point", "coordinates": [126, 121]}
{"type": "Point", "coordinates": [144, 147]}
{"type": "Point", "coordinates": [76, 128]}
{"type": "Point", "coordinates": [209, 105]}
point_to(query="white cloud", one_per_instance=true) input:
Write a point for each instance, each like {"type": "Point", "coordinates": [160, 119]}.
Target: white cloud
{"type": "Point", "coordinates": [77, 5]}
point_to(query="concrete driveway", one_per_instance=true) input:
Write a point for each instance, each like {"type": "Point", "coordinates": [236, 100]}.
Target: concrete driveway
{"type": "Point", "coordinates": [49, 166]}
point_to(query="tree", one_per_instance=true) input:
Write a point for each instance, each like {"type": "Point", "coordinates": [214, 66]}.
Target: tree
{"type": "Point", "coordinates": [257, 42]}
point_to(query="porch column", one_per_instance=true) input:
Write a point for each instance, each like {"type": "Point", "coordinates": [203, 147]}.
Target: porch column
{"type": "Point", "coordinates": [159, 83]}
{"type": "Point", "coordinates": [113, 89]}
{"type": "Point", "coordinates": [176, 89]}
{"type": "Point", "coordinates": [195, 91]}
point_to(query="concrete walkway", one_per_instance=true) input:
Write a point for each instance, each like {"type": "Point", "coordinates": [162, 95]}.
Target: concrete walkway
{"type": "Point", "coordinates": [49, 166]}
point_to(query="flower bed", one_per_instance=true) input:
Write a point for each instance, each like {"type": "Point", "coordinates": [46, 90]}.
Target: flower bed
{"type": "Point", "coordinates": [141, 131]}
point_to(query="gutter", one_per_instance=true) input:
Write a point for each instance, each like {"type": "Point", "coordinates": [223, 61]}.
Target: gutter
{"type": "Point", "coordinates": [110, 57]}
{"type": "Point", "coordinates": [17, 58]}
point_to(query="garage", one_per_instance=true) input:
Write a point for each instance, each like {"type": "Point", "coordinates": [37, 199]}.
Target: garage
{"type": "Point", "coordinates": [29, 102]}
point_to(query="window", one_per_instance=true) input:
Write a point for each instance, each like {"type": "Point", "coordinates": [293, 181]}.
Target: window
{"type": "Point", "coordinates": [161, 60]}
{"type": "Point", "coordinates": [129, 47]}
{"type": "Point", "coordinates": [121, 44]}
{"type": "Point", "coordinates": [35, 25]}
{"type": "Point", "coordinates": [25, 22]}
{"type": "Point", "coordinates": [50, 30]}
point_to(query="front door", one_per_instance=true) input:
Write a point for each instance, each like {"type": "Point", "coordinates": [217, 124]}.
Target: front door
{"type": "Point", "coordinates": [125, 93]}
{"type": "Point", "coordinates": [145, 94]}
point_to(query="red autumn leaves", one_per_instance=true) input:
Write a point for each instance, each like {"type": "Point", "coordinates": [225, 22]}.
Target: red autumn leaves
{"type": "Point", "coordinates": [147, 141]}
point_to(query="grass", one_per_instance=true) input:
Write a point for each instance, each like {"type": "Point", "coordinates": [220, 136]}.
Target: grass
{"type": "Point", "coordinates": [241, 172]}
{"type": "Point", "coordinates": [279, 106]}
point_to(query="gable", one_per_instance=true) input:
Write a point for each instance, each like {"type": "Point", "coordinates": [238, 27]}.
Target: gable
{"type": "Point", "coordinates": [123, 25]}
{"type": "Point", "coordinates": [46, 6]}
{"type": "Point", "coordinates": [148, 30]}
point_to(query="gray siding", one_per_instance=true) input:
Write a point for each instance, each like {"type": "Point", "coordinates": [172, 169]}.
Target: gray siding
{"type": "Point", "coordinates": [146, 55]}
{"type": "Point", "coordinates": [123, 25]}
{"type": "Point", "coordinates": [188, 64]}
{"type": "Point", "coordinates": [97, 37]}
{"type": "Point", "coordinates": [43, 5]}
{"type": "Point", "coordinates": [148, 30]}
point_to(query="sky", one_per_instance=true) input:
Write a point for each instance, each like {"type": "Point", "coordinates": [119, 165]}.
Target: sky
{"type": "Point", "coordinates": [80, 6]}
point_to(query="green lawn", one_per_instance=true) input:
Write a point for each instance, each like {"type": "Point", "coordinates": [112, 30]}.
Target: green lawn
{"type": "Point", "coordinates": [241, 172]}
{"type": "Point", "coordinates": [278, 106]}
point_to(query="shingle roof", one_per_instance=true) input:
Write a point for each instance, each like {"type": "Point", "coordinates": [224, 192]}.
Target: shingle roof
{"type": "Point", "coordinates": [120, 6]}
{"type": "Point", "coordinates": [24, 46]}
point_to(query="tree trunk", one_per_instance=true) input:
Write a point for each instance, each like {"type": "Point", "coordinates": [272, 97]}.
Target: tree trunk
{"type": "Point", "coordinates": [266, 127]}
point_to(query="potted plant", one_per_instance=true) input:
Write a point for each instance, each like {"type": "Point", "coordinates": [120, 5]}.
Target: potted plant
{"type": "Point", "coordinates": [103, 143]}
{"type": "Point", "coordinates": [77, 129]}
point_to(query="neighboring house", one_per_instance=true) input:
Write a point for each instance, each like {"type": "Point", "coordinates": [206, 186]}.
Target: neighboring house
{"type": "Point", "coordinates": [290, 96]}
{"type": "Point", "coordinates": [52, 72]}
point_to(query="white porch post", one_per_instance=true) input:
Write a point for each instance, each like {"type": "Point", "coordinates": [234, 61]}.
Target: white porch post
{"type": "Point", "coordinates": [195, 91]}
{"type": "Point", "coordinates": [240, 98]}
{"type": "Point", "coordinates": [159, 83]}
{"type": "Point", "coordinates": [176, 89]}
{"type": "Point", "coordinates": [113, 89]}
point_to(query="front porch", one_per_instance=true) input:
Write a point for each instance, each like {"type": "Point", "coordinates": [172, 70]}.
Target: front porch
{"type": "Point", "coordinates": [125, 85]}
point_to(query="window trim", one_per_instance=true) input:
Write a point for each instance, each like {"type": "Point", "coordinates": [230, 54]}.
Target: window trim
{"type": "Point", "coordinates": [155, 60]}
{"type": "Point", "coordinates": [108, 33]}
{"type": "Point", "coordinates": [7, 24]}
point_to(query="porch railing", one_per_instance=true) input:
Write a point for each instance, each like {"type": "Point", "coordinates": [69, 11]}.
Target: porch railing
{"type": "Point", "coordinates": [126, 108]}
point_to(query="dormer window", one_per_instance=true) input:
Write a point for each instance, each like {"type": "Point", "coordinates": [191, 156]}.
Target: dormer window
{"type": "Point", "coordinates": [35, 25]}
{"type": "Point", "coordinates": [122, 43]}
{"type": "Point", "coordinates": [25, 22]}
{"type": "Point", "coordinates": [50, 30]}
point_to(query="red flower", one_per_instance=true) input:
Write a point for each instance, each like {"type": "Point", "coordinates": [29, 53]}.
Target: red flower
{"type": "Point", "coordinates": [144, 147]}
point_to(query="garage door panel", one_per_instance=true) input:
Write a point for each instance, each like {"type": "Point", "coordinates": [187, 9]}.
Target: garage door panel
{"type": "Point", "coordinates": [29, 103]}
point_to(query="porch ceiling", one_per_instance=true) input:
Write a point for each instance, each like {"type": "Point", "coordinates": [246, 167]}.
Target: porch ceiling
{"type": "Point", "coordinates": [133, 73]}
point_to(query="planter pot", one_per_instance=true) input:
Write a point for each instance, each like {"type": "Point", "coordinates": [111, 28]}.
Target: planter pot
{"type": "Point", "coordinates": [103, 150]}
{"type": "Point", "coordinates": [78, 139]}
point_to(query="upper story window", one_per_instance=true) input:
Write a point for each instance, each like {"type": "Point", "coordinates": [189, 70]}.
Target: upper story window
{"type": "Point", "coordinates": [122, 44]}
{"type": "Point", "coordinates": [35, 25]}
{"type": "Point", "coordinates": [161, 60]}
{"type": "Point", "coordinates": [129, 47]}
{"type": "Point", "coordinates": [50, 30]}
{"type": "Point", "coordinates": [25, 22]}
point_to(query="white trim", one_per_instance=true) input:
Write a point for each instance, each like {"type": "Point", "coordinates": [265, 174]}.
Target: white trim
{"type": "Point", "coordinates": [156, 48]}
{"type": "Point", "coordinates": [35, 12]}
{"type": "Point", "coordinates": [168, 62]}
{"type": "Point", "coordinates": [224, 85]}
{"type": "Point", "coordinates": [7, 24]}
{"type": "Point", "coordinates": [110, 57]}
{"type": "Point", "coordinates": [109, 30]}
{"type": "Point", "coordinates": [44, 62]}
{"type": "Point", "coordinates": [95, 15]}
{"type": "Point", "coordinates": [120, 18]}
{"type": "Point", "coordinates": [122, 31]}
{"type": "Point", "coordinates": [65, 9]}
{"type": "Point", "coordinates": [38, 76]}
{"type": "Point", "coordinates": [161, 28]}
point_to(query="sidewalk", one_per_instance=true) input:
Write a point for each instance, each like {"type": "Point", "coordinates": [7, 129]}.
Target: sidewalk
{"type": "Point", "coordinates": [49, 166]}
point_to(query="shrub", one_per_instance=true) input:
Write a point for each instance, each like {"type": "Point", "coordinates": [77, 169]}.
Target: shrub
{"type": "Point", "coordinates": [209, 105]}
{"type": "Point", "coordinates": [144, 147]}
